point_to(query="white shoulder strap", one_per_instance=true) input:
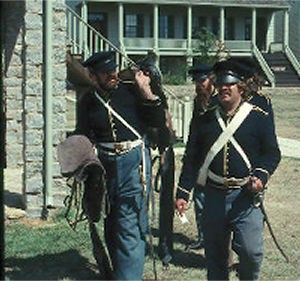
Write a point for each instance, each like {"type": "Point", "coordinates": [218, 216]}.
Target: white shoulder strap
{"type": "Point", "coordinates": [234, 142]}
{"type": "Point", "coordinates": [118, 116]}
{"type": "Point", "coordinates": [237, 120]}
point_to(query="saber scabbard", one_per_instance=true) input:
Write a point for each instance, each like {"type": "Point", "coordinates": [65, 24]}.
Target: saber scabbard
{"type": "Point", "coordinates": [259, 196]}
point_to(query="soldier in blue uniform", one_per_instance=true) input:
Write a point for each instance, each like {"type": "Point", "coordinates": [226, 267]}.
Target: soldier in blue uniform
{"type": "Point", "coordinates": [205, 98]}
{"type": "Point", "coordinates": [233, 151]}
{"type": "Point", "coordinates": [115, 117]}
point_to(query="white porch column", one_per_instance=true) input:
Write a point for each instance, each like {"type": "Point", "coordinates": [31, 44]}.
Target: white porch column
{"type": "Point", "coordinates": [120, 60]}
{"type": "Point", "coordinates": [286, 28]}
{"type": "Point", "coordinates": [253, 33]}
{"type": "Point", "coordinates": [121, 23]}
{"type": "Point", "coordinates": [155, 28]}
{"type": "Point", "coordinates": [222, 24]}
{"type": "Point", "coordinates": [189, 28]}
{"type": "Point", "coordinates": [189, 59]}
{"type": "Point", "coordinates": [83, 29]}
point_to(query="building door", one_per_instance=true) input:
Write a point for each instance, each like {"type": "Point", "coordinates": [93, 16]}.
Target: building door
{"type": "Point", "coordinates": [261, 33]}
{"type": "Point", "coordinates": [99, 22]}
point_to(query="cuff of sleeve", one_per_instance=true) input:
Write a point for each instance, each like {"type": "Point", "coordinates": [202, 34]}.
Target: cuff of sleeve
{"type": "Point", "coordinates": [154, 102]}
{"type": "Point", "coordinates": [182, 193]}
{"type": "Point", "coordinates": [262, 174]}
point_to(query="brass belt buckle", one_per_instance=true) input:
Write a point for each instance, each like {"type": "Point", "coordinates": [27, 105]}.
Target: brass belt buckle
{"type": "Point", "coordinates": [118, 148]}
{"type": "Point", "coordinates": [230, 182]}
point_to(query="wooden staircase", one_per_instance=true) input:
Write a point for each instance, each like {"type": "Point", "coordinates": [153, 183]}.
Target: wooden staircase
{"type": "Point", "coordinates": [285, 74]}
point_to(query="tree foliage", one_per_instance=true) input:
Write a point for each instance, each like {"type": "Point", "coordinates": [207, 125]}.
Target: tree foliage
{"type": "Point", "coordinates": [209, 48]}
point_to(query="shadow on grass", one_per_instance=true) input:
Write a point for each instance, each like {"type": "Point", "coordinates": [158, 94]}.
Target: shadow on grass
{"type": "Point", "coordinates": [14, 200]}
{"type": "Point", "coordinates": [188, 259]}
{"type": "Point", "coordinates": [181, 257]}
{"type": "Point", "coordinates": [68, 265]}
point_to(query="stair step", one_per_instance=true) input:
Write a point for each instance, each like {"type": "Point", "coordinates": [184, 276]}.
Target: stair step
{"type": "Point", "coordinates": [285, 75]}
{"type": "Point", "coordinates": [288, 85]}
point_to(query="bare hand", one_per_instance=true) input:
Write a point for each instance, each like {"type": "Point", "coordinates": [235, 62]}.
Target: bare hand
{"type": "Point", "coordinates": [255, 185]}
{"type": "Point", "coordinates": [181, 206]}
{"type": "Point", "coordinates": [143, 82]}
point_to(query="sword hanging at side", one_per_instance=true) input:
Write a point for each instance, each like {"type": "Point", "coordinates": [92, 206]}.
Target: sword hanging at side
{"type": "Point", "coordinates": [259, 200]}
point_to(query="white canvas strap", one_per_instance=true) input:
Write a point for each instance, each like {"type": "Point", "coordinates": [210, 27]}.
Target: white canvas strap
{"type": "Point", "coordinates": [223, 139]}
{"type": "Point", "coordinates": [234, 142]}
{"type": "Point", "coordinates": [118, 116]}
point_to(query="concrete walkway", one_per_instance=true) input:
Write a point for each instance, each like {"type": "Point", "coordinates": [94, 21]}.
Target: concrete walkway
{"type": "Point", "coordinates": [288, 148]}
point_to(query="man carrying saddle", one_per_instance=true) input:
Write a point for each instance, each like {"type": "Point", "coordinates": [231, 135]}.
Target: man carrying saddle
{"type": "Point", "coordinates": [115, 117]}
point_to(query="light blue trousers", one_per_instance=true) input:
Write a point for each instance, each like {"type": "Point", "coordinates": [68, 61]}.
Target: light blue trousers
{"type": "Point", "coordinates": [226, 211]}
{"type": "Point", "coordinates": [127, 223]}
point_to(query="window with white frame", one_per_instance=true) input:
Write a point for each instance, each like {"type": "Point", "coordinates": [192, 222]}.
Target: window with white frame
{"type": "Point", "coordinates": [166, 26]}
{"type": "Point", "coordinates": [134, 25]}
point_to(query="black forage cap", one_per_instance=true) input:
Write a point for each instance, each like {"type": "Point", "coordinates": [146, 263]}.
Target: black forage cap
{"type": "Point", "coordinates": [228, 72]}
{"type": "Point", "coordinates": [101, 61]}
{"type": "Point", "coordinates": [200, 72]}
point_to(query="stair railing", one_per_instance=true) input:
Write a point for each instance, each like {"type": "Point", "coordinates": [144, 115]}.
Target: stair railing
{"type": "Point", "coordinates": [264, 65]}
{"type": "Point", "coordinates": [85, 39]}
{"type": "Point", "coordinates": [292, 58]}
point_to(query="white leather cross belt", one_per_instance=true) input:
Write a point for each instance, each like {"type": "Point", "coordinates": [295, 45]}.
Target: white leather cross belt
{"type": "Point", "coordinates": [227, 181]}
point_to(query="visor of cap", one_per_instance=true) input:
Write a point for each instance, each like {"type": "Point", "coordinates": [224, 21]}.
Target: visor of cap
{"type": "Point", "coordinates": [200, 76]}
{"type": "Point", "coordinates": [227, 77]}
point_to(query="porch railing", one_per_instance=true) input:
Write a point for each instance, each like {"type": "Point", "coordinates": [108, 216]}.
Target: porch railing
{"type": "Point", "coordinates": [293, 60]}
{"type": "Point", "coordinates": [265, 67]}
{"type": "Point", "coordinates": [84, 39]}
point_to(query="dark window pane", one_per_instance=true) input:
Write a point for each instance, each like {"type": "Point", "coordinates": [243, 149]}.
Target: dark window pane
{"type": "Point", "coordinates": [99, 22]}
{"type": "Point", "coordinates": [248, 28]}
{"type": "Point", "coordinates": [229, 29]}
{"type": "Point", "coordinates": [198, 24]}
{"type": "Point", "coordinates": [216, 26]}
{"type": "Point", "coordinates": [166, 26]}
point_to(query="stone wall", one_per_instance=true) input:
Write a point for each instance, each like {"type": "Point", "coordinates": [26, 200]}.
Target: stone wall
{"type": "Point", "coordinates": [24, 97]}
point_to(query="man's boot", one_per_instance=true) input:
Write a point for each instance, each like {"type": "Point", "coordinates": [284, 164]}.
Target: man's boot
{"type": "Point", "coordinates": [199, 244]}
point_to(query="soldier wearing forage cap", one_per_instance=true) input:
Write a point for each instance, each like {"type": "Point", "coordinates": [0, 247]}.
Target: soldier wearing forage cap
{"type": "Point", "coordinates": [115, 116]}
{"type": "Point", "coordinates": [202, 76]}
{"type": "Point", "coordinates": [232, 151]}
